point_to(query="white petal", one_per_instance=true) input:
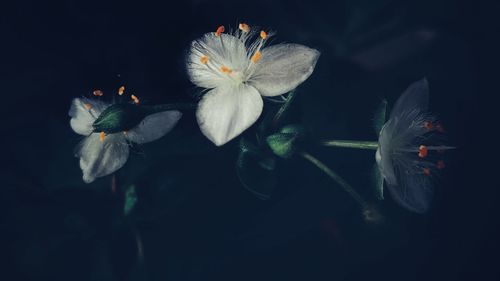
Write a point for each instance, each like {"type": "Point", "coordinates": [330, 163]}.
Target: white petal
{"type": "Point", "coordinates": [225, 112]}
{"type": "Point", "coordinates": [154, 126]}
{"type": "Point", "coordinates": [416, 97]}
{"type": "Point", "coordinates": [383, 155]}
{"type": "Point", "coordinates": [100, 158]}
{"type": "Point", "coordinates": [282, 68]}
{"type": "Point", "coordinates": [414, 192]}
{"type": "Point", "coordinates": [83, 112]}
{"type": "Point", "coordinates": [225, 50]}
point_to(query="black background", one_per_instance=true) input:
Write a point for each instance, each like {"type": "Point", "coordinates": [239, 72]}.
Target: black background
{"type": "Point", "coordinates": [195, 220]}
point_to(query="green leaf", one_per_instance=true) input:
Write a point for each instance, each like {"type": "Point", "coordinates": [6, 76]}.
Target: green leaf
{"type": "Point", "coordinates": [130, 199]}
{"type": "Point", "coordinates": [284, 143]}
{"type": "Point", "coordinates": [380, 116]}
{"type": "Point", "coordinates": [378, 182]}
{"type": "Point", "coordinates": [256, 170]}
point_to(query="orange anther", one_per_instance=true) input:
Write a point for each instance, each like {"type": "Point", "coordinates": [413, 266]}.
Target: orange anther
{"type": "Point", "coordinates": [428, 125]}
{"type": "Point", "coordinates": [263, 35]}
{"type": "Point", "coordinates": [226, 69]}
{"type": "Point", "coordinates": [204, 59]}
{"type": "Point", "coordinates": [244, 27]}
{"type": "Point", "coordinates": [135, 99]}
{"type": "Point", "coordinates": [121, 90]}
{"type": "Point", "coordinates": [98, 93]}
{"type": "Point", "coordinates": [426, 171]}
{"type": "Point", "coordinates": [256, 57]}
{"type": "Point", "coordinates": [422, 151]}
{"type": "Point", "coordinates": [440, 164]}
{"type": "Point", "coordinates": [87, 106]}
{"type": "Point", "coordinates": [101, 136]}
{"type": "Point", "coordinates": [219, 30]}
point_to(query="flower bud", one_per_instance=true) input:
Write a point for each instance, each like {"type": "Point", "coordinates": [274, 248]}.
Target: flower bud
{"type": "Point", "coordinates": [118, 118]}
{"type": "Point", "coordinates": [284, 143]}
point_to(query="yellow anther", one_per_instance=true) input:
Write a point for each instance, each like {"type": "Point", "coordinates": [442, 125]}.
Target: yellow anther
{"type": "Point", "coordinates": [263, 35]}
{"type": "Point", "coordinates": [244, 27]}
{"type": "Point", "coordinates": [219, 30]}
{"type": "Point", "coordinates": [102, 135]}
{"type": "Point", "coordinates": [204, 59]}
{"type": "Point", "coordinates": [87, 106]}
{"type": "Point", "coordinates": [121, 90]}
{"type": "Point", "coordinates": [226, 69]}
{"type": "Point", "coordinates": [256, 57]}
{"type": "Point", "coordinates": [135, 99]}
{"type": "Point", "coordinates": [98, 93]}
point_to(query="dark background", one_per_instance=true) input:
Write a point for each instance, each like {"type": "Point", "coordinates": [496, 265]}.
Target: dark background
{"type": "Point", "coordinates": [195, 220]}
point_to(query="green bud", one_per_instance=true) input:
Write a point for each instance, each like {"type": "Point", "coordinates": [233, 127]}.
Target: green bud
{"type": "Point", "coordinates": [284, 143]}
{"type": "Point", "coordinates": [118, 118]}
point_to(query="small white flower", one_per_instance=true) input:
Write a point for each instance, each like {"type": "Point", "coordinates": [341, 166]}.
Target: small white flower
{"type": "Point", "coordinates": [407, 154]}
{"type": "Point", "coordinates": [237, 70]}
{"type": "Point", "coordinates": [102, 154]}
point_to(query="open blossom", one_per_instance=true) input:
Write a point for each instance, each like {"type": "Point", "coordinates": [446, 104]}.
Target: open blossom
{"type": "Point", "coordinates": [102, 153]}
{"type": "Point", "coordinates": [409, 149]}
{"type": "Point", "coordinates": [237, 70]}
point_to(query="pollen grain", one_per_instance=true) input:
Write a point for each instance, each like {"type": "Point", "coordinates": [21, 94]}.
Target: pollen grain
{"type": "Point", "coordinates": [244, 27]}
{"type": "Point", "coordinates": [422, 151]}
{"type": "Point", "coordinates": [426, 171]}
{"type": "Point", "coordinates": [134, 99]}
{"type": "Point", "coordinates": [263, 35]}
{"type": "Point", "coordinates": [219, 30]}
{"type": "Point", "coordinates": [226, 69]}
{"type": "Point", "coordinates": [121, 90]}
{"type": "Point", "coordinates": [204, 59]}
{"type": "Point", "coordinates": [256, 57]}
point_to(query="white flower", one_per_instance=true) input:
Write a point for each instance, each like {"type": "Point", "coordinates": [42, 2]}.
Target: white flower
{"type": "Point", "coordinates": [102, 154]}
{"type": "Point", "coordinates": [407, 155]}
{"type": "Point", "coordinates": [237, 70]}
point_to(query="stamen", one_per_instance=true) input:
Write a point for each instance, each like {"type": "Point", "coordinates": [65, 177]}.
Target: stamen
{"type": "Point", "coordinates": [125, 133]}
{"type": "Point", "coordinates": [121, 90]}
{"type": "Point", "coordinates": [428, 125]}
{"type": "Point", "coordinates": [226, 69]}
{"type": "Point", "coordinates": [101, 136]}
{"type": "Point", "coordinates": [426, 171]}
{"type": "Point", "coordinates": [219, 30]}
{"type": "Point", "coordinates": [87, 106]}
{"type": "Point", "coordinates": [422, 151]}
{"type": "Point", "coordinates": [440, 128]}
{"type": "Point", "coordinates": [204, 59]}
{"type": "Point", "coordinates": [135, 99]}
{"type": "Point", "coordinates": [263, 35]}
{"type": "Point", "coordinates": [256, 57]}
{"type": "Point", "coordinates": [440, 165]}
{"type": "Point", "coordinates": [244, 27]}
{"type": "Point", "coordinates": [98, 93]}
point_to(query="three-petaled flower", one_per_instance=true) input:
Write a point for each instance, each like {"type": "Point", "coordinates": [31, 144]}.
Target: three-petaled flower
{"type": "Point", "coordinates": [408, 149]}
{"type": "Point", "coordinates": [103, 151]}
{"type": "Point", "coordinates": [237, 70]}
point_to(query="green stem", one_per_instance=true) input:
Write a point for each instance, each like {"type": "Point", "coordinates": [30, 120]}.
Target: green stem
{"type": "Point", "coordinates": [347, 187]}
{"type": "Point", "coordinates": [373, 145]}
